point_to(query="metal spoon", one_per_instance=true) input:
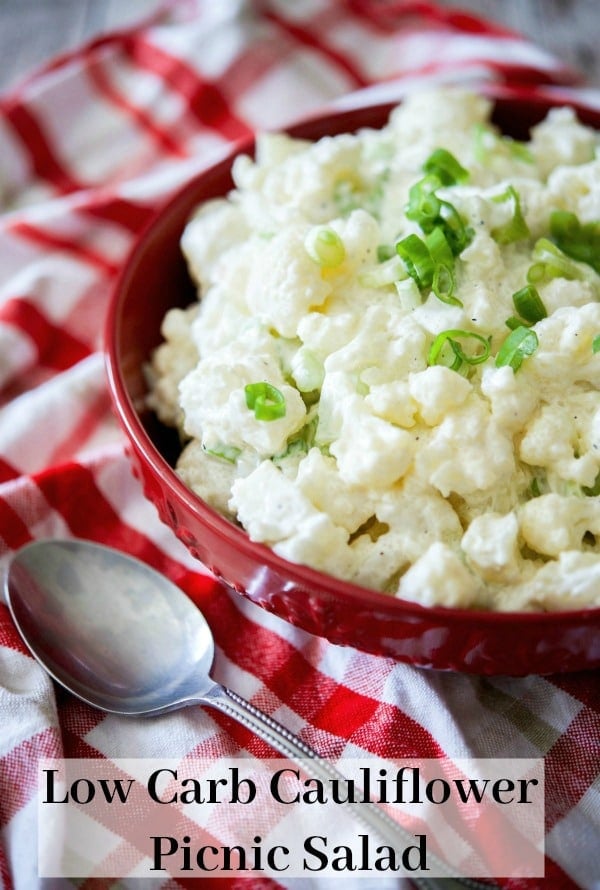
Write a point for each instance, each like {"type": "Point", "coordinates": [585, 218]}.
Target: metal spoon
{"type": "Point", "coordinates": [126, 640]}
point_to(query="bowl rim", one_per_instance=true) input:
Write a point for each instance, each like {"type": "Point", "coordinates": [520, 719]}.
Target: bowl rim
{"type": "Point", "coordinates": [300, 573]}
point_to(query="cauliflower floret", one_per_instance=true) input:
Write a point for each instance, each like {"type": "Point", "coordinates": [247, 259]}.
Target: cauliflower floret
{"type": "Point", "coordinates": [467, 452]}
{"type": "Point", "coordinates": [325, 333]}
{"type": "Point", "coordinates": [408, 518]}
{"type": "Point", "coordinates": [564, 438]}
{"type": "Point", "coordinates": [360, 236]}
{"type": "Point", "coordinates": [171, 361]}
{"type": "Point", "coordinates": [564, 355]}
{"type": "Point", "coordinates": [216, 227]}
{"type": "Point", "coordinates": [560, 139]}
{"type": "Point", "coordinates": [552, 523]}
{"type": "Point", "coordinates": [577, 189]}
{"type": "Point", "coordinates": [439, 578]}
{"type": "Point", "coordinates": [512, 398]}
{"type": "Point", "coordinates": [305, 181]}
{"type": "Point", "coordinates": [427, 119]}
{"type": "Point", "coordinates": [272, 149]}
{"type": "Point", "coordinates": [211, 328]}
{"type": "Point", "coordinates": [213, 399]}
{"type": "Point", "coordinates": [387, 346]}
{"type": "Point", "coordinates": [284, 283]}
{"type": "Point", "coordinates": [320, 544]}
{"type": "Point", "coordinates": [490, 544]}
{"type": "Point", "coordinates": [210, 477]}
{"type": "Point", "coordinates": [268, 504]}
{"type": "Point", "coordinates": [437, 390]}
{"type": "Point", "coordinates": [393, 402]}
{"type": "Point", "coordinates": [570, 582]}
{"type": "Point", "coordinates": [371, 451]}
{"type": "Point", "coordinates": [318, 478]}
{"type": "Point", "coordinates": [274, 510]}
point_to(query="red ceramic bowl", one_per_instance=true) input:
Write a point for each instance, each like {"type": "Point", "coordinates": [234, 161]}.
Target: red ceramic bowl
{"type": "Point", "coordinates": [153, 280]}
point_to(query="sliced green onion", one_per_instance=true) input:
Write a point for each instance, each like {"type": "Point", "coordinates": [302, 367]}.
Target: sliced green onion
{"type": "Point", "coordinates": [551, 262]}
{"type": "Point", "coordinates": [415, 255]}
{"type": "Point", "coordinates": [580, 242]}
{"type": "Point", "coordinates": [423, 204]}
{"type": "Point", "coordinates": [409, 294]}
{"type": "Point", "coordinates": [538, 273]}
{"type": "Point", "coordinates": [443, 285]}
{"type": "Point", "coordinates": [439, 249]}
{"type": "Point", "coordinates": [520, 343]}
{"type": "Point", "coordinates": [226, 452]}
{"type": "Point", "coordinates": [443, 164]}
{"type": "Point", "coordinates": [267, 402]}
{"type": "Point", "coordinates": [325, 247]}
{"type": "Point", "coordinates": [430, 263]}
{"type": "Point", "coordinates": [529, 305]}
{"type": "Point", "coordinates": [513, 322]}
{"type": "Point", "coordinates": [430, 212]}
{"type": "Point", "coordinates": [516, 228]}
{"type": "Point", "coordinates": [440, 355]}
{"type": "Point", "coordinates": [596, 344]}
{"type": "Point", "coordinates": [300, 443]}
{"type": "Point", "coordinates": [457, 234]}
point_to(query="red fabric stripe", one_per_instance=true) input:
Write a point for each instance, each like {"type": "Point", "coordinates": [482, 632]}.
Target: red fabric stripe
{"type": "Point", "coordinates": [572, 765]}
{"type": "Point", "coordinates": [128, 214]}
{"type": "Point", "coordinates": [584, 686]}
{"type": "Point", "coordinates": [307, 37]}
{"type": "Point", "coordinates": [393, 13]}
{"type": "Point", "coordinates": [98, 75]}
{"type": "Point", "coordinates": [56, 347]}
{"type": "Point", "coordinates": [76, 247]}
{"type": "Point", "coordinates": [36, 146]}
{"type": "Point", "coordinates": [77, 720]}
{"type": "Point", "coordinates": [206, 102]}
{"type": "Point", "coordinates": [18, 771]}
{"type": "Point", "coordinates": [12, 528]}
{"type": "Point", "coordinates": [7, 471]}
{"type": "Point", "coordinates": [70, 489]}
{"type": "Point", "coordinates": [511, 73]}
{"type": "Point", "coordinates": [9, 637]}
{"type": "Point", "coordinates": [5, 878]}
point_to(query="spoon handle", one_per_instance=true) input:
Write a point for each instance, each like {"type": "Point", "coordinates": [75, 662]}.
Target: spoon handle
{"type": "Point", "coordinates": [285, 742]}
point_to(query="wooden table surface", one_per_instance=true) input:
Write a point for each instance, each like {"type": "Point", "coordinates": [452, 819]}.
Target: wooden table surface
{"type": "Point", "coordinates": [33, 30]}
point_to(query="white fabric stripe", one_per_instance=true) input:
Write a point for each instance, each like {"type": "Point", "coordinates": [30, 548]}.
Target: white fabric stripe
{"type": "Point", "coordinates": [27, 704]}
{"type": "Point", "coordinates": [573, 842]}
{"type": "Point", "coordinates": [56, 407]}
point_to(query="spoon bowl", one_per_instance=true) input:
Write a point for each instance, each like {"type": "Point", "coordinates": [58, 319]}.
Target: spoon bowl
{"type": "Point", "coordinates": [107, 627]}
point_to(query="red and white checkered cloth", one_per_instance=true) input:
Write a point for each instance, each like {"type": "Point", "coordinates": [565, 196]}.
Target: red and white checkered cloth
{"type": "Point", "coordinates": [89, 147]}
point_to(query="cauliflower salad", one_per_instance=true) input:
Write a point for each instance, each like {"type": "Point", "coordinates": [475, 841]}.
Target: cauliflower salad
{"type": "Point", "coordinates": [391, 372]}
